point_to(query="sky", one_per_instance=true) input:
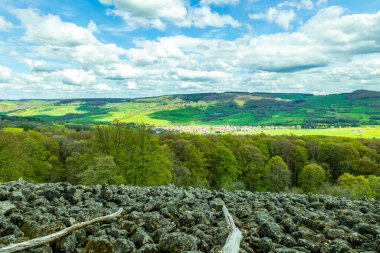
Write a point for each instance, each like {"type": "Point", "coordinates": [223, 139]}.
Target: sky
{"type": "Point", "coordinates": [133, 48]}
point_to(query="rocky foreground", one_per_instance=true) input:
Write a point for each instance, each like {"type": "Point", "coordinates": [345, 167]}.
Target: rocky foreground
{"type": "Point", "coordinates": [169, 219]}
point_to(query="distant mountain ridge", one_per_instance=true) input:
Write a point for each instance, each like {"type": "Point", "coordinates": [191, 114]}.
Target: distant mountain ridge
{"type": "Point", "coordinates": [227, 108]}
{"type": "Point", "coordinates": [363, 94]}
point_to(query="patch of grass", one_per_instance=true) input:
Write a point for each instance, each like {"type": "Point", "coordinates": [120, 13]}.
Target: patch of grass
{"type": "Point", "coordinates": [48, 110]}
{"type": "Point", "coordinates": [369, 132]}
{"type": "Point", "coordinates": [12, 130]}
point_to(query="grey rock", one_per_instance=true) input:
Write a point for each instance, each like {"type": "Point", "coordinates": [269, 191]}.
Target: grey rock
{"type": "Point", "coordinates": [177, 242]}
{"type": "Point", "coordinates": [148, 248]}
{"type": "Point", "coordinates": [336, 246]}
{"type": "Point", "coordinates": [99, 245]}
{"type": "Point", "coordinates": [6, 206]}
{"type": "Point", "coordinates": [364, 228]}
{"type": "Point", "coordinates": [335, 234]}
{"type": "Point", "coordinates": [122, 245]}
{"type": "Point", "coordinates": [51, 194]}
{"type": "Point", "coordinates": [141, 237]}
{"type": "Point", "coordinates": [270, 230]}
{"type": "Point", "coordinates": [217, 203]}
{"type": "Point", "coordinates": [66, 244]}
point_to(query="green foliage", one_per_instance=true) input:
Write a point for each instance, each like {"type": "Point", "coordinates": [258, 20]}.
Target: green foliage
{"type": "Point", "coordinates": [361, 186]}
{"type": "Point", "coordinates": [311, 177]}
{"type": "Point", "coordinates": [224, 170]}
{"type": "Point", "coordinates": [120, 154]}
{"type": "Point", "coordinates": [300, 160]}
{"type": "Point", "coordinates": [340, 157]}
{"type": "Point", "coordinates": [255, 174]}
{"type": "Point", "coordinates": [137, 152]}
{"type": "Point", "coordinates": [279, 175]}
{"type": "Point", "coordinates": [257, 178]}
{"type": "Point", "coordinates": [103, 171]}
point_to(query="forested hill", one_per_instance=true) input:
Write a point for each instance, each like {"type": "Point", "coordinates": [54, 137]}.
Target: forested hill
{"type": "Point", "coordinates": [120, 154]}
{"type": "Point", "coordinates": [360, 107]}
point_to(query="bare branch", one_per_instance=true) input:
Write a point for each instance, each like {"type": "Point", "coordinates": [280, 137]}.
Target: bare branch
{"type": "Point", "coordinates": [49, 238]}
{"type": "Point", "coordinates": [233, 241]}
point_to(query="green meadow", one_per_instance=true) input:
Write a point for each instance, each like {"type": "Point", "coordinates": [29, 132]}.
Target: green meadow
{"type": "Point", "coordinates": [333, 113]}
{"type": "Point", "coordinates": [367, 132]}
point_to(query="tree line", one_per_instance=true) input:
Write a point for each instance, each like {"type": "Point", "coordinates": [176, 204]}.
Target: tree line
{"type": "Point", "coordinates": [120, 154]}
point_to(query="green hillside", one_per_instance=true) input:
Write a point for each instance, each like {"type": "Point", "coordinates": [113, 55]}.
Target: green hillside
{"type": "Point", "coordinates": [232, 108]}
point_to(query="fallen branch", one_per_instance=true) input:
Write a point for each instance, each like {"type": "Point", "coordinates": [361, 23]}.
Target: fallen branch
{"type": "Point", "coordinates": [233, 241]}
{"type": "Point", "coordinates": [49, 238]}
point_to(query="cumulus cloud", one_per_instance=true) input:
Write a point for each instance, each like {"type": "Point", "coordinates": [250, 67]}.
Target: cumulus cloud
{"type": "Point", "coordinates": [302, 4]}
{"type": "Point", "coordinates": [52, 30]}
{"type": "Point", "coordinates": [154, 14]}
{"type": "Point", "coordinates": [5, 74]}
{"type": "Point", "coordinates": [119, 71]}
{"type": "Point", "coordinates": [74, 76]}
{"type": "Point", "coordinates": [92, 27]}
{"type": "Point", "coordinates": [40, 65]}
{"type": "Point", "coordinates": [282, 18]}
{"type": "Point", "coordinates": [219, 2]}
{"type": "Point", "coordinates": [170, 9]}
{"type": "Point", "coordinates": [332, 48]}
{"type": "Point", "coordinates": [132, 85]}
{"type": "Point", "coordinates": [204, 16]}
{"type": "Point", "coordinates": [60, 39]}
{"type": "Point", "coordinates": [104, 87]}
{"type": "Point", "coordinates": [4, 25]}
{"type": "Point", "coordinates": [199, 75]}
{"type": "Point", "coordinates": [282, 53]}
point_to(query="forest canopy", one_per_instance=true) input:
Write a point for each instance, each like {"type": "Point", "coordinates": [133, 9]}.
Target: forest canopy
{"type": "Point", "coordinates": [135, 155]}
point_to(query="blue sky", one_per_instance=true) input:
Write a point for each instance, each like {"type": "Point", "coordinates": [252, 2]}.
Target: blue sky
{"type": "Point", "coordinates": [134, 48]}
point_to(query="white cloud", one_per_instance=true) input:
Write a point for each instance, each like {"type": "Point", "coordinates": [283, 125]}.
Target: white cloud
{"type": "Point", "coordinates": [132, 85]}
{"type": "Point", "coordinates": [302, 4]}
{"type": "Point", "coordinates": [152, 51]}
{"type": "Point", "coordinates": [119, 71]}
{"type": "Point", "coordinates": [60, 39]}
{"type": "Point", "coordinates": [103, 87]}
{"type": "Point", "coordinates": [154, 14]}
{"type": "Point", "coordinates": [332, 49]}
{"type": "Point", "coordinates": [170, 9]}
{"type": "Point", "coordinates": [5, 74]}
{"type": "Point", "coordinates": [74, 76]}
{"type": "Point", "coordinates": [4, 25]}
{"type": "Point", "coordinates": [40, 65]}
{"type": "Point", "coordinates": [344, 34]}
{"type": "Point", "coordinates": [219, 2]}
{"type": "Point", "coordinates": [204, 16]}
{"type": "Point", "coordinates": [133, 22]}
{"type": "Point", "coordinates": [199, 75]}
{"type": "Point", "coordinates": [282, 18]}
{"type": "Point", "coordinates": [52, 30]}
{"type": "Point", "coordinates": [92, 27]}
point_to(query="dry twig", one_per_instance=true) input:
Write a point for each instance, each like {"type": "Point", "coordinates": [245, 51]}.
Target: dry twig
{"type": "Point", "coordinates": [49, 238]}
{"type": "Point", "coordinates": [233, 241]}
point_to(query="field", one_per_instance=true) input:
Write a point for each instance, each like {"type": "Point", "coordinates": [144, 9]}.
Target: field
{"type": "Point", "coordinates": [214, 109]}
{"type": "Point", "coordinates": [367, 132]}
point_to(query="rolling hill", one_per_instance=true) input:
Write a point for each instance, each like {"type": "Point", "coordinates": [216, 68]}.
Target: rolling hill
{"type": "Point", "coordinates": [360, 107]}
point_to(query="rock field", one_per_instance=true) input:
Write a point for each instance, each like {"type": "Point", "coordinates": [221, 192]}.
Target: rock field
{"type": "Point", "coordinates": [171, 219]}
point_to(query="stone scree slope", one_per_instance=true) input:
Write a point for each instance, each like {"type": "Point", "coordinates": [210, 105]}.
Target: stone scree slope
{"type": "Point", "coordinates": [171, 219]}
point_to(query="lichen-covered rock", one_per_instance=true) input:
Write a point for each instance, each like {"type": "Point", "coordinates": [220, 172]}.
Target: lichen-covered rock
{"type": "Point", "coordinates": [141, 237]}
{"type": "Point", "coordinates": [99, 245]}
{"type": "Point", "coordinates": [270, 230]}
{"type": "Point", "coordinates": [170, 219]}
{"type": "Point", "coordinates": [66, 244]}
{"type": "Point", "coordinates": [177, 242]}
{"type": "Point", "coordinates": [6, 206]}
{"type": "Point", "coordinates": [122, 245]}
